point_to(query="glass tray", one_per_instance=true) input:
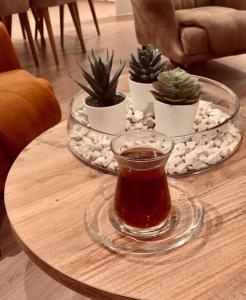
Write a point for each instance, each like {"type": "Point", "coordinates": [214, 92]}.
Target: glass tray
{"type": "Point", "coordinates": [217, 96]}
{"type": "Point", "coordinates": [186, 219]}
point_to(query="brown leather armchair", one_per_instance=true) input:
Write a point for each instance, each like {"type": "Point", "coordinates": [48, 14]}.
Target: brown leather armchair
{"type": "Point", "coordinates": [188, 31]}
{"type": "Point", "coordinates": [28, 106]}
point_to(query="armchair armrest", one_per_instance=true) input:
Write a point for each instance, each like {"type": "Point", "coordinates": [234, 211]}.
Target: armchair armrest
{"type": "Point", "coordinates": [183, 4]}
{"type": "Point", "coordinates": [156, 24]}
{"type": "Point", "coordinates": [237, 4]}
{"type": "Point", "coordinates": [8, 57]}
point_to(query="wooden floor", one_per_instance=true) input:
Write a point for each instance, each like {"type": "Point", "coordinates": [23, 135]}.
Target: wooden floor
{"type": "Point", "coordinates": [19, 277]}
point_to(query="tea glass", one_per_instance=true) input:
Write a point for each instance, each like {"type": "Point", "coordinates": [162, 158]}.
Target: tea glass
{"type": "Point", "coordinates": [141, 205]}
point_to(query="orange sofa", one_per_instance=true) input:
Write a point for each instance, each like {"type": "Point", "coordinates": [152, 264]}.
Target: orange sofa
{"type": "Point", "coordinates": [28, 106]}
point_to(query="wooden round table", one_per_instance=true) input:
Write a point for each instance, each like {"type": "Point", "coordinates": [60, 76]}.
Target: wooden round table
{"type": "Point", "coordinates": [46, 193]}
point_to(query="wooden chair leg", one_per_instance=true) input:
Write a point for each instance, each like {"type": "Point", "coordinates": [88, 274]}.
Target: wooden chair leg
{"type": "Point", "coordinates": [76, 21]}
{"type": "Point", "coordinates": [39, 27]}
{"type": "Point", "coordinates": [62, 24]}
{"type": "Point", "coordinates": [8, 23]}
{"type": "Point", "coordinates": [25, 23]}
{"type": "Point", "coordinates": [35, 16]}
{"type": "Point", "coordinates": [23, 30]}
{"type": "Point", "coordinates": [46, 16]}
{"type": "Point", "coordinates": [94, 15]}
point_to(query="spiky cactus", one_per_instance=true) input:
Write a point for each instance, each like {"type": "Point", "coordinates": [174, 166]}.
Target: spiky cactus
{"type": "Point", "coordinates": [176, 87]}
{"type": "Point", "coordinates": [146, 67]}
{"type": "Point", "coordinates": [102, 88]}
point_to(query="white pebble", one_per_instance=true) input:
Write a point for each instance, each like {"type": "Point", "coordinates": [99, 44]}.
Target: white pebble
{"type": "Point", "coordinates": [138, 116]}
{"type": "Point", "coordinates": [203, 158]}
{"type": "Point", "coordinates": [95, 155]}
{"type": "Point", "coordinates": [105, 142]}
{"type": "Point", "coordinates": [74, 135]}
{"type": "Point", "coordinates": [92, 135]}
{"type": "Point", "coordinates": [217, 142]}
{"type": "Point", "coordinates": [180, 147]}
{"type": "Point", "coordinates": [151, 115]}
{"type": "Point", "coordinates": [150, 122]}
{"type": "Point", "coordinates": [84, 131]}
{"type": "Point", "coordinates": [224, 152]}
{"type": "Point", "coordinates": [190, 145]}
{"type": "Point", "coordinates": [211, 144]}
{"type": "Point", "coordinates": [190, 158]}
{"type": "Point", "coordinates": [86, 155]}
{"type": "Point", "coordinates": [181, 168]}
{"type": "Point", "coordinates": [202, 150]}
{"type": "Point", "coordinates": [129, 114]}
{"type": "Point", "coordinates": [213, 158]}
{"type": "Point", "coordinates": [198, 165]}
{"type": "Point", "coordinates": [111, 166]}
{"type": "Point", "coordinates": [128, 124]}
{"type": "Point", "coordinates": [138, 125]}
{"type": "Point", "coordinates": [108, 160]}
{"type": "Point", "coordinates": [100, 161]}
{"type": "Point", "coordinates": [87, 141]}
{"type": "Point", "coordinates": [229, 137]}
{"type": "Point", "coordinates": [98, 147]}
{"type": "Point", "coordinates": [233, 145]}
{"type": "Point", "coordinates": [170, 167]}
{"type": "Point", "coordinates": [177, 160]}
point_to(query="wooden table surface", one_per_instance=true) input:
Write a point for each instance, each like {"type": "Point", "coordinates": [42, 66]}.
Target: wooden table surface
{"type": "Point", "coordinates": [45, 196]}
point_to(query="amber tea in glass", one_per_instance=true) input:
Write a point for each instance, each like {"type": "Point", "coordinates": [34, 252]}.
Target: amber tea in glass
{"type": "Point", "coordinates": [142, 203]}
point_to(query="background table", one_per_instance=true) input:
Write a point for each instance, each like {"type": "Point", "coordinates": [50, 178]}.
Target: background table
{"type": "Point", "coordinates": [46, 194]}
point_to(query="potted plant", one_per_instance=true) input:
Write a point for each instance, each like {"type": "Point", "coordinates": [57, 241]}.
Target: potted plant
{"type": "Point", "coordinates": [105, 106]}
{"type": "Point", "coordinates": [177, 96]}
{"type": "Point", "coordinates": [143, 72]}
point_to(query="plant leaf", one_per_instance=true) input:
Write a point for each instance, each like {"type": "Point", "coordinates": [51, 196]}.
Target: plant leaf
{"type": "Point", "coordinates": [117, 74]}
{"type": "Point", "coordinates": [134, 61]}
{"type": "Point", "coordinates": [85, 88]}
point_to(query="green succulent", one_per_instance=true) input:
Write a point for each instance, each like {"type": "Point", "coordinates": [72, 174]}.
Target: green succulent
{"type": "Point", "coordinates": [102, 88]}
{"type": "Point", "coordinates": [146, 67]}
{"type": "Point", "coordinates": [177, 87]}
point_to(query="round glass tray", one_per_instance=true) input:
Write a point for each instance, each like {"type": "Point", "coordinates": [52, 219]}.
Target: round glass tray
{"type": "Point", "coordinates": [216, 135]}
{"type": "Point", "coordinates": [186, 219]}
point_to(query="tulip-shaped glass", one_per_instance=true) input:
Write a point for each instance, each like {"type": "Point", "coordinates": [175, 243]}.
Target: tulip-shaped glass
{"type": "Point", "coordinates": [142, 204]}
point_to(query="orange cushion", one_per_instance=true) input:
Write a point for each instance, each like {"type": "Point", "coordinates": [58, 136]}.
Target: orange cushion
{"type": "Point", "coordinates": [28, 107]}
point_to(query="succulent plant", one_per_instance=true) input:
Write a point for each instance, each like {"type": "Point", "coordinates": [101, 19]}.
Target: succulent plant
{"type": "Point", "coordinates": [102, 88]}
{"type": "Point", "coordinates": [176, 87]}
{"type": "Point", "coordinates": [146, 67]}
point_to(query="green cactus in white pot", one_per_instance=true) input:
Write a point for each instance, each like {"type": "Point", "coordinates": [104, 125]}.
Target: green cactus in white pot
{"type": "Point", "coordinates": [177, 95]}
{"type": "Point", "coordinates": [176, 87]}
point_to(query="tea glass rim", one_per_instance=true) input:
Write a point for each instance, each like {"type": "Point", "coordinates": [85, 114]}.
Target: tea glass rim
{"type": "Point", "coordinates": [140, 160]}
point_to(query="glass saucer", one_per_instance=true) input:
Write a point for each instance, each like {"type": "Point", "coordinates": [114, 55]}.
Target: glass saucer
{"type": "Point", "coordinates": [185, 221]}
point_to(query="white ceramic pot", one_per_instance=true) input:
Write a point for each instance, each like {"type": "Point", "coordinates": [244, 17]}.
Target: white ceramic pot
{"type": "Point", "coordinates": [174, 120]}
{"type": "Point", "coordinates": [142, 98]}
{"type": "Point", "coordinates": [111, 119]}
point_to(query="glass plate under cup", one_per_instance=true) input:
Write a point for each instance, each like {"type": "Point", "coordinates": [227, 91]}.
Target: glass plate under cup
{"type": "Point", "coordinates": [184, 223]}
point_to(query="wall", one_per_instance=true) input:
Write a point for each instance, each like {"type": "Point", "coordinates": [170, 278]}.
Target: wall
{"type": "Point", "coordinates": [123, 7]}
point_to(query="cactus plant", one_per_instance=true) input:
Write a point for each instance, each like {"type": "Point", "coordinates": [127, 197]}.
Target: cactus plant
{"type": "Point", "coordinates": [102, 88]}
{"type": "Point", "coordinates": [176, 87]}
{"type": "Point", "coordinates": [146, 67]}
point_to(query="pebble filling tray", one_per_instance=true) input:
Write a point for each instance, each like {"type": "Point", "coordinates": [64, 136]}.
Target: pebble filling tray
{"type": "Point", "coordinates": [207, 147]}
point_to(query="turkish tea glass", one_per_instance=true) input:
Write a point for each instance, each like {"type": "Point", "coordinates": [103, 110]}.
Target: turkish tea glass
{"type": "Point", "coordinates": [141, 205]}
